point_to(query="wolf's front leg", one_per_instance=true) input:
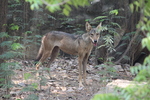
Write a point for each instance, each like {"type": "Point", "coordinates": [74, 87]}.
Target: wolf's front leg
{"type": "Point", "coordinates": [84, 67]}
{"type": "Point", "coordinates": [80, 59]}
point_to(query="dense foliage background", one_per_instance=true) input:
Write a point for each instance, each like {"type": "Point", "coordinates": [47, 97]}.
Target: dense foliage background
{"type": "Point", "coordinates": [125, 24]}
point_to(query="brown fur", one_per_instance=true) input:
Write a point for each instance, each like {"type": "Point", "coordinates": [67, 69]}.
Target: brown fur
{"type": "Point", "coordinates": [82, 45]}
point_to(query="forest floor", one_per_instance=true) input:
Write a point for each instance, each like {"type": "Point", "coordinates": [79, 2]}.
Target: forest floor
{"type": "Point", "coordinates": [64, 82]}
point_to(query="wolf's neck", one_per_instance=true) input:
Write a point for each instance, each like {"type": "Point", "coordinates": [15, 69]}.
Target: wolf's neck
{"type": "Point", "coordinates": [86, 38]}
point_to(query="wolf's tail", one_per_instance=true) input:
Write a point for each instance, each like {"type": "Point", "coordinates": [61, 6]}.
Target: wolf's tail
{"type": "Point", "coordinates": [41, 50]}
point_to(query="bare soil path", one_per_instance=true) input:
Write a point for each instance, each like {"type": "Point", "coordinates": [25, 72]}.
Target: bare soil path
{"type": "Point", "coordinates": [62, 86]}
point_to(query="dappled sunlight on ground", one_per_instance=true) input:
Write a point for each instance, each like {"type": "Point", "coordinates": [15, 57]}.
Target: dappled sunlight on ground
{"type": "Point", "coordinates": [62, 81]}
{"type": "Point", "coordinates": [63, 84]}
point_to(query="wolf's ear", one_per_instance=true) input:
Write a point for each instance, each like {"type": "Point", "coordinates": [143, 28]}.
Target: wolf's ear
{"type": "Point", "coordinates": [88, 27]}
{"type": "Point", "coordinates": [99, 26]}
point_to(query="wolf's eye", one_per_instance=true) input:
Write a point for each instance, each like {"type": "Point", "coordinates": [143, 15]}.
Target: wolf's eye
{"type": "Point", "coordinates": [92, 34]}
{"type": "Point", "coordinates": [97, 34]}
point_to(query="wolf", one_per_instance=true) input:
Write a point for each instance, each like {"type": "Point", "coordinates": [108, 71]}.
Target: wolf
{"type": "Point", "coordinates": [81, 46]}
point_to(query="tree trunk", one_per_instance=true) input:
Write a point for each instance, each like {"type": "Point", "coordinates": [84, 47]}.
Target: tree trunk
{"type": "Point", "coordinates": [31, 52]}
{"type": "Point", "coordinates": [3, 22]}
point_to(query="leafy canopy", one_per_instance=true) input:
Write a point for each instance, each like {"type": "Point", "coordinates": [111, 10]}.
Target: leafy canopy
{"type": "Point", "coordinates": [55, 5]}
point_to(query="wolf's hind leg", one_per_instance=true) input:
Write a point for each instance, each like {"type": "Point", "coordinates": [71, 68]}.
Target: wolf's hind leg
{"type": "Point", "coordinates": [53, 55]}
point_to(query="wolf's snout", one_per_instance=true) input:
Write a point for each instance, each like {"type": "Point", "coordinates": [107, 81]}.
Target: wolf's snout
{"type": "Point", "coordinates": [95, 41]}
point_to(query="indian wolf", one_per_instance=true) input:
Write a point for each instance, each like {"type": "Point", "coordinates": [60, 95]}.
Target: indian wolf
{"type": "Point", "coordinates": [82, 45]}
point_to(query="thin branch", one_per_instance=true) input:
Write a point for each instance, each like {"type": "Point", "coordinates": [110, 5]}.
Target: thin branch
{"type": "Point", "coordinates": [137, 32]}
{"type": "Point", "coordinates": [117, 62]}
{"type": "Point", "coordinates": [144, 33]}
{"type": "Point", "coordinates": [58, 4]}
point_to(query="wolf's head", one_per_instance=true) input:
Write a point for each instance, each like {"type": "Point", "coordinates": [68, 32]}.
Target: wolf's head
{"type": "Point", "coordinates": [94, 33]}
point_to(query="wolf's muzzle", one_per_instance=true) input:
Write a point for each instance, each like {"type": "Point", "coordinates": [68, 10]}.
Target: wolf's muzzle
{"type": "Point", "coordinates": [95, 41]}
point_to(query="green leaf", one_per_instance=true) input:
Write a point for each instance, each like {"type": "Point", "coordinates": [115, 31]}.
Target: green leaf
{"type": "Point", "coordinates": [32, 97]}
{"type": "Point", "coordinates": [67, 7]}
{"type": "Point", "coordinates": [27, 32]}
{"type": "Point", "coordinates": [146, 42]}
{"type": "Point", "coordinates": [115, 12]}
{"type": "Point", "coordinates": [16, 46]}
{"type": "Point", "coordinates": [38, 36]}
{"type": "Point", "coordinates": [116, 24]}
{"type": "Point", "coordinates": [131, 7]}
{"type": "Point", "coordinates": [143, 75]}
{"type": "Point", "coordinates": [105, 97]}
{"type": "Point", "coordinates": [8, 55]}
{"type": "Point", "coordinates": [100, 17]}
{"type": "Point", "coordinates": [27, 76]}
{"type": "Point", "coordinates": [126, 57]}
{"type": "Point", "coordinates": [14, 27]}
{"type": "Point", "coordinates": [66, 12]}
{"type": "Point", "coordinates": [147, 60]}
{"type": "Point", "coordinates": [3, 34]}
{"type": "Point", "coordinates": [136, 3]}
{"type": "Point", "coordinates": [34, 85]}
{"type": "Point", "coordinates": [52, 17]}
{"type": "Point", "coordinates": [6, 43]}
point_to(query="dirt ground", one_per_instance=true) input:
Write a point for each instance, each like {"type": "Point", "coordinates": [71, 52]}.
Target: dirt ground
{"type": "Point", "coordinates": [63, 84]}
